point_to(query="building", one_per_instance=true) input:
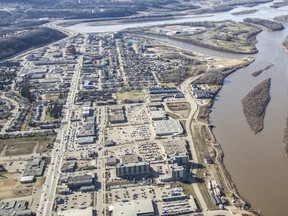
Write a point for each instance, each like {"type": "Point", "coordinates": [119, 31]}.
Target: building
{"type": "Point", "coordinates": [133, 208]}
{"type": "Point", "coordinates": [15, 208]}
{"type": "Point", "coordinates": [27, 179]}
{"type": "Point", "coordinates": [117, 114]}
{"type": "Point", "coordinates": [69, 166]}
{"type": "Point", "coordinates": [137, 168]}
{"type": "Point", "coordinates": [176, 172]}
{"type": "Point", "coordinates": [158, 115]}
{"type": "Point", "coordinates": [79, 181]}
{"type": "Point", "coordinates": [167, 127]}
{"type": "Point", "coordinates": [176, 151]}
{"type": "Point", "coordinates": [35, 168]}
{"type": "Point", "coordinates": [78, 212]}
{"type": "Point", "coordinates": [129, 158]}
{"type": "Point", "coordinates": [87, 128]}
{"type": "Point", "coordinates": [86, 140]}
{"type": "Point", "coordinates": [111, 161]}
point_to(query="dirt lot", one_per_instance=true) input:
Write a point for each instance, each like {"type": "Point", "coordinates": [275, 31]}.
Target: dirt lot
{"type": "Point", "coordinates": [20, 148]}
{"type": "Point", "coordinates": [8, 181]}
{"type": "Point", "coordinates": [180, 108]}
{"type": "Point", "coordinates": [128, 95]}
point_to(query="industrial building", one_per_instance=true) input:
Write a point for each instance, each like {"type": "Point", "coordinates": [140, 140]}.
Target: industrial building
{"type": "Point", "coordinates": [133, 208]}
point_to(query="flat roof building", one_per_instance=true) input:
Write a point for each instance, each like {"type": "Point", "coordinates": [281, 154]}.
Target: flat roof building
{"type": "Point", "coordinates": [137, 168]}
{"type": "Point", "coordinates": [77, 212]}
{"type": "Point", "coordinates": [167, 127]}
{"type": "Point", "coordinates": [79, 181]}
{"type": "Point", "coordinates": [13, 208]}
{"type": "Point", "coordinates": [133, 208]}
{"type": "Point", "coordinates": [34, 168]}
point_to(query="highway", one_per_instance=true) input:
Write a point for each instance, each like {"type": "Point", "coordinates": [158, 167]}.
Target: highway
{"type": "Point", "coordinates": [48, 195]}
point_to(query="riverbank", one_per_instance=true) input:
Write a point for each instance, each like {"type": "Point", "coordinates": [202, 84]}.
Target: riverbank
{"type": "Point", "coordinates": [214, 149]}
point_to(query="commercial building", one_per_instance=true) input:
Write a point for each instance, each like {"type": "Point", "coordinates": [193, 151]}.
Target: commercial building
{"type": "Point", "coordinates": [69, 166]}
{"type": "Point", "coordinates": [133, 208]}
{"type": "Point", "coordinates": [81, 180]}
{"type": "Point", "coordinates": [117, 114]}
{"type": "Point", "coordinates": [167, 127]}
{"type": "Point", "coordinates": [137, 168]}
{"type": "Point", "coordinates": [87, 128]}
{"type": "Point", "coordinates": [78, 212]}
{"type": "Point", "coordinates": [15, 208]}
{"type": "Point", "coordinates": [27, 179]}
{"type": "Point", "coordinates": [86, 140]}
{"type": "Point", "coordinates": [158, 115]}
{"type": "Point", "coordinates": [35, 168]}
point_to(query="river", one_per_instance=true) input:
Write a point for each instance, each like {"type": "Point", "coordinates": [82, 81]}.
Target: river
{"type": "Point", "coordinates": [256, 162]}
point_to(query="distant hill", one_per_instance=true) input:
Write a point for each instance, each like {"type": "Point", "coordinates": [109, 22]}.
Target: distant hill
{"type": "Point", "coordinates": [29, 39]}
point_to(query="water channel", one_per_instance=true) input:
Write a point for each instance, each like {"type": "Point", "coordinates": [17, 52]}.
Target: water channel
{"type": "Point", "coordinates": [256, 162]}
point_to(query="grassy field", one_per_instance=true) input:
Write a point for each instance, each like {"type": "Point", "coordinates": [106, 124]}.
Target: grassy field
{"type": "Point", "coordinates": [129, 95]}
{"type": "Point", "coordinates": [47, 117]}
{"type": "Point", "coordinates": [20, 148]}
{"type": "Point", "coordinates": [25, 145]}
{"type": "Point", "coordinates": [51, 97]}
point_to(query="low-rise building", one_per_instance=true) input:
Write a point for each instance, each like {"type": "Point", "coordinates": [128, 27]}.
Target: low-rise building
{"type": "Point", "coordinates": [78, 212]}
{"type": "Point", "coordinates": [34, 168]}
{"type": "Point", "coordinates": [133, 208]}
{"type": "Point", "coordinates": [167, 127]}
{"type": "Point", "coordinates": [15, 208]}
{"type": "Point", "coordinates": [69, 166]}
{"type": "Point", "coordinates": [81, 180]}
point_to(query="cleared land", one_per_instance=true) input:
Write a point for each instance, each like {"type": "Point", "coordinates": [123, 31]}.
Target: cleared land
{"type": "Point", "coordinates": [255, 103]}
{"type": "Point", "coordinates": [20, 146]}
{"type": "Point", "coordinates": [226, 36]}
{"type": "Point", "coordinates": [181, 108]}
{"type": "Point", "coordinates": [130, 95]}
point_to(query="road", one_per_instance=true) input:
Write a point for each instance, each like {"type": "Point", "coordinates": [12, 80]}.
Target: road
{"type": "Point", "coordinates": [185, 88]}
{"type": "Point", "coordinates": [54, 170]}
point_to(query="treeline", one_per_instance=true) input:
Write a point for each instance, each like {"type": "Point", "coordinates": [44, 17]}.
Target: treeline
{"type": "Point", "coordinates": [285, 42]}
{"type": "Point", "coordinates": [283, 18]}
{"type": "Point", "coordinates": [79, 13]}
{"type": "Point", "coordinates": [28, 39]}
{"type": "Point", "coordinates": [271, 25]}
{"type": "Point", "coordinates": [255, 103]}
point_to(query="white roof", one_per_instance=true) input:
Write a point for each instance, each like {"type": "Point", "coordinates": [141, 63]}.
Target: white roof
{"type": "Point", "coordinates": [76, 212]}
{"type": "Point", "coordinates": [133, 208]}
